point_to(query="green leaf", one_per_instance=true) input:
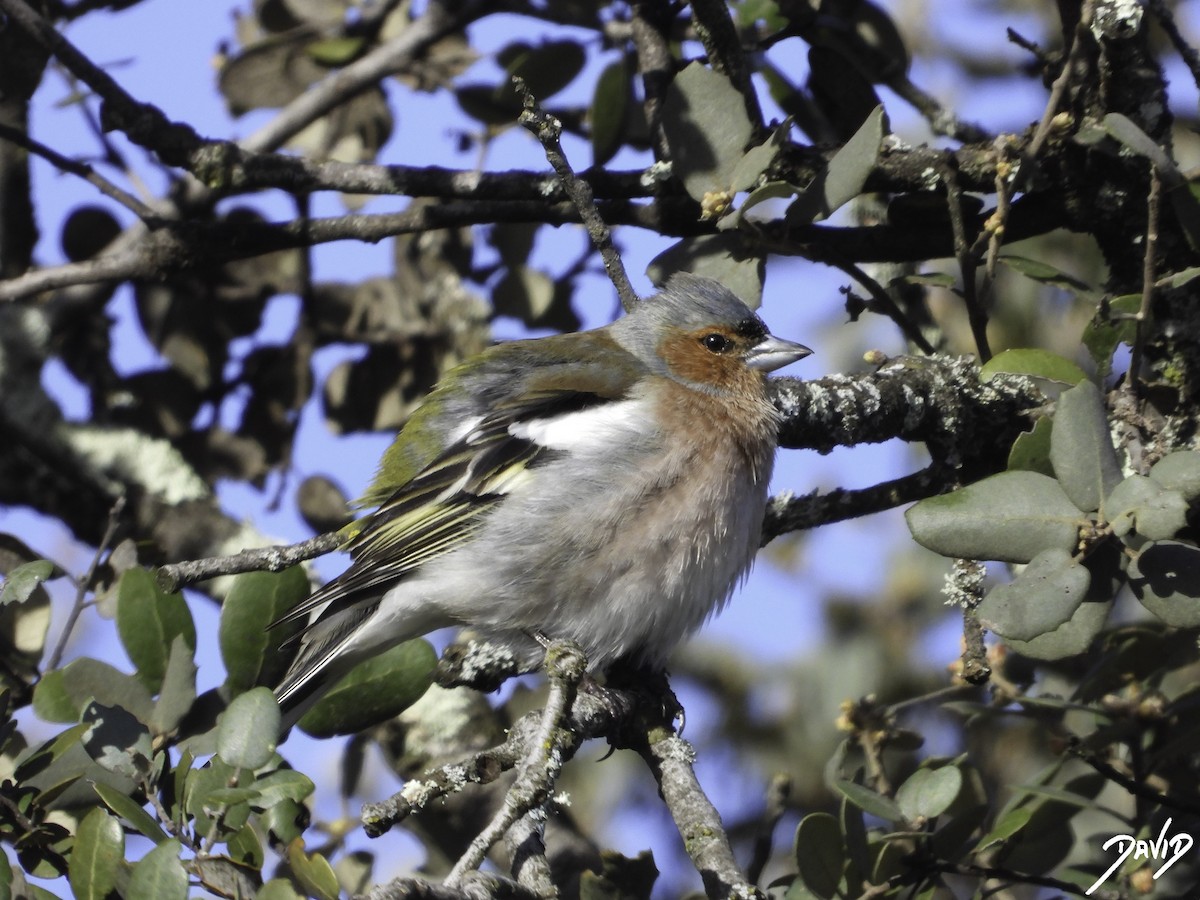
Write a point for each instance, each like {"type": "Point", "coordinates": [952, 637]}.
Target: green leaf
{"type": "Point", "coordinates": [285, 821]}
{"type": "Point", "coordinates": [757, 160]}
{"type": "Point", "coordinates": [223, 877]}
{"type": "Point", "coordinates": [1048, 274]}
{"type": "Point", "coordinates": [845, 176]}
{"type": "Point", "coordinates": [1179, 471]}
{"type": "Point", "coordinates": [707, 129]}
{"type": "Point", "coordinates": [278, 889]}
{"type": "Point", "coordinates": [869, 801]}
{"type": "Point", "coordinates": [1081, 450]}
{"type": "Point", "coordinates": [131, 811]}
{"type": "Point", "coordinates": [889, 862]}
{"type": "Point", "coordinates": [198, 792]}
{"type": "Point", "coordinates": [51, 701]}
{"type": "Point", "coordinates": [246, 849]}
{"type": "Point", "coordinates": [1010, 823]}
{"type": "Point", "coordinates": [1131, 136]}
{"type": "Point", "coordinates": [284, 784]}
{"type": "Point", "coordinates": [353, 872]}
{"type": "Point", "coordinates": [313, 872]}
{"type": "Point", "coordinates": [952, 840]}
{"type": "Point", "coordinates": [1040, 599]}
{"type": "Point", "coordinates": [494, 105]}
{"type": "Point", "coordinates": [48, 753]}
{"type": "Point", "coordinates": [1012, 517]}
{"type": "Point", "coordinates": [820, 853]}
{"type": "Point", "coordinates": [927, 793]}
{"type": "Point", "coordinates": [20, 583]}
{"type": "Point", "coordinates": [159, 874]}
{"type": "Point", "coordinates": [931, 279]}
{"type": "Point", "coordinates": [1181, 278]}
{"type": "Point", "coordinates": [374, 691]}
{"type": "Point", "coordinates": [772, 190]}
{"type": "Point", "coordinates": [610, 103]}
{"type": "Point", "coordinates": [249, 729]}
{"type": "Point", "coordinates": [1037, 363]}
{"type": "Point", "coordinates": [335, 51]}
{"type": "Point", "coordinates": [1031, 450]}
{"type": "Point", "coordinates": [251, 650]}
{"type": "Point", "coordinates": [99, 851]}
{"type": "Point", "coordinates": [858, 856]}
{"type": "Point", "coordinates": [231, 796]}
{"type": "Point", "coordinates": [61, 695]}
{"type": "Point", "coordinates": [1165, 577]}
{"type": "Point", "coordinates": [148, 621]}
{"type": "Point", "coordinates": [720, 256]}
{"type": "Point", "coordinates": [1069, 639]}
{"type": "Point", "coordinates": [117, 740]}
{"type": "Point", "coordinates": [1142, 505]}
{"type": "Point", "coordinates": [178, 689]}
{"type": "Point", "coordinates": [546, 68]}
{"type": "Point", "coordinates": [1102, 335]}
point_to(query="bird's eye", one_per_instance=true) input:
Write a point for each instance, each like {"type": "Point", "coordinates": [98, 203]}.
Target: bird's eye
{"type": "Point", "coordinates": [717, 343]}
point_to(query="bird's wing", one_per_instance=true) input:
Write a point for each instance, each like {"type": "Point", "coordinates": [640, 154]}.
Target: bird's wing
{"type": "Point", "coordinates": [441, 507]}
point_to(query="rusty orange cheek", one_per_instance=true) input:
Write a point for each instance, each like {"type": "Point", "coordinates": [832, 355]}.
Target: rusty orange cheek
{"type": "Point", "coordinates": [687, 358]}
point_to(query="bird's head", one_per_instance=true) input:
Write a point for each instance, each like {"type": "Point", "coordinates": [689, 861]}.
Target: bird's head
{"type": "Point", "coordinates": [699, 333]}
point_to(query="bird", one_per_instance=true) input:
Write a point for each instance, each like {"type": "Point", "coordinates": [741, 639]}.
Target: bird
{"type": "Point", "coordinates": [605, 486]}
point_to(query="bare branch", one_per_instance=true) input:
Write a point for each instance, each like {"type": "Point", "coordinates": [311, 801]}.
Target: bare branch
{"type": "Point", "coordinates": [547, 130]}
{"type": "Point", "coordinates": [670, 759]}
{"type": "Point", "coordinates": [83, 584]}
{"type": "Point", "coordinates": [440, 18]}
{"type": "Point", "coordinates": [270, 559]}
{"type": "Point", "coordinates": [565, 666]}
{"type": "Point", "coordinates": [84, 171]}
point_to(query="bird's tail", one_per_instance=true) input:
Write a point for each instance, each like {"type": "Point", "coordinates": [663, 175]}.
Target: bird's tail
{"type": "Point", "coordinates": [311, 675]}
{"type": "Point", "coordinates": [337, 642]}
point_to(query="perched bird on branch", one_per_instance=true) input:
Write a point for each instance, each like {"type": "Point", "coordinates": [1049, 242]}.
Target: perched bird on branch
{"type": "Point", "coordinates": [606, 486]}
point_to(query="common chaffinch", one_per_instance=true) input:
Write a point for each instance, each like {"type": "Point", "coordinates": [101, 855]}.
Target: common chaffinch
{"type": "Point", "coordinates": [606, 486]}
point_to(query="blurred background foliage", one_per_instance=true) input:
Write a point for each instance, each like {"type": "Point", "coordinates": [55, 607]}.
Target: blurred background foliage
{"type": "Point", "coordinates": [906, 175]}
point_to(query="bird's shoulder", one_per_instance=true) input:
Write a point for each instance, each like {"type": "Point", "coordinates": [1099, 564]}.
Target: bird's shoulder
{"type": "Point", "coordinates": [506, 384]}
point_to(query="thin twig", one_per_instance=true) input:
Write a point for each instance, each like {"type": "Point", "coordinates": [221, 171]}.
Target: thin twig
{"type": "Point", "coordinates": [547, 130]}
{"type": "Point", "coordinates": [142, 123]}
{"type": "Point", "coordinates": [1010, 875]}
{"type": "Point", "coordinates": [174, 576]}
{"type": "Point", "coordinates": [84, 171]}
{"type": "Point", "coordinates": [1149, 274]}
{"type": "Point", "coordinates": [82, 584]}
{"type": "Point", "coordinates": [596, 712]}
{"type": "Point", "coordinates": [778, 791]}
{"type": "Point", "coordinates": [967, 262]}
{"type": "Point", "coordinates": [565, 666]}
{"type": "Point", "coordinates": [1060, 83]}
{"type": "Point", "coordinates": [1187, 52]}
{"type": "Point", "coordinates": [964, 589]}
{"type": "Point", "coordinates": [650, 29]}
{"type": "Point", "coordinates": [1135, 787]}
{"type": "Point", "coordinates": [786, 514]}
{"type": "Point", "coordinates": [884, 303]}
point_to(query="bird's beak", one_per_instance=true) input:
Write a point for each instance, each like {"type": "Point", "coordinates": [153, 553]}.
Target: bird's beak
{"type": "Point", "coordinates": [773, 353]}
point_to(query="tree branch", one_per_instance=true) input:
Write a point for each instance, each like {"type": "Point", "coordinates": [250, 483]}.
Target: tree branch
{"type": "Point", "coordinates": [547, 130]}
